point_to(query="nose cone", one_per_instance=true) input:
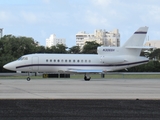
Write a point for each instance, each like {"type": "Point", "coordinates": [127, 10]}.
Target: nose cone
{"type": "Point", "coordinates": [9, 66]}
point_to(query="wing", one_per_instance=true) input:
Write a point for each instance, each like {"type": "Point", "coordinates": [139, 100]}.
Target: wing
{"type": "Point", "coordinates": [84, 71]}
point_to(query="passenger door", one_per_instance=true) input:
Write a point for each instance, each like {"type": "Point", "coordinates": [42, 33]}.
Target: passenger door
{"type": "Point", "coordinates": [35, 64]}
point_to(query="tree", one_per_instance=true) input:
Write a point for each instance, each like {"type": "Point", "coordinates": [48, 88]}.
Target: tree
{"type": "Point", "coordinates": [17, 46]}
{"type": "Point", "coordinates": [74, 50]}
{"type": "Point", "coordinates": [12, 47]}
{"type": "Point", "coordinates": [90, 47]}
{"type": "Point", "coordinates": [40, 49]}
{"type": "Point", "coordinates": [155, 54]}
{"type": "Point", "coordinates": [59, 48]}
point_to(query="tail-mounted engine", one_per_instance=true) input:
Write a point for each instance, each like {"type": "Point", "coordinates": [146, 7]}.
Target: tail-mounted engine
{"type": "Point", "coordinates": [112, 60]}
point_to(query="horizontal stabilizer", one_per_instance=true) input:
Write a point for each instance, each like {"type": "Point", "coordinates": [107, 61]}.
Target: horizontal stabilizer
{"type": "Point", "coordinates": [140, 47]}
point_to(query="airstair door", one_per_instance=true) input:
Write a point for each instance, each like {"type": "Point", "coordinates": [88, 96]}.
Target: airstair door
{"type": "Point", "coordinates": [35, 64]}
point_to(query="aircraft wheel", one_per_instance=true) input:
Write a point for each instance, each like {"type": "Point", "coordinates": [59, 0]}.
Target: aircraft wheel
{"type": "Point", "coordinates": [87, 78]}
{"type": "Point", "coordinates": [28, 78]}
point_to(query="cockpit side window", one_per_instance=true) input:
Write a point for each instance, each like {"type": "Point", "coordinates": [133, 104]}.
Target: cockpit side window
{"type": "Point", "coordinates": [26, 58]}
{"type": "Point", "coordinates": [23, 58]}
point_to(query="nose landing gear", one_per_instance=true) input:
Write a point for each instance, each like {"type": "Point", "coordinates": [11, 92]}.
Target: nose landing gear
{"type": "Point", "coordinates": [28, 78]}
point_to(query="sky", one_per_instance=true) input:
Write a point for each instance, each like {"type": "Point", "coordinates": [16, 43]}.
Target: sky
{"type": "Point", "coordinates": [65, 18]}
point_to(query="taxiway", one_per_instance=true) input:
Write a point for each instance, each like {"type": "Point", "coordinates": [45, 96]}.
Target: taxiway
{"type": "Point", "coordinates": [79, 89]}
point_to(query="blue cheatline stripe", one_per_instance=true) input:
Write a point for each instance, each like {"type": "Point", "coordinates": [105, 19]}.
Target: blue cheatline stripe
{"type": "Point", "coordinates": [81, 65]}
{"type": "Point", "coordinates": [140, 32]}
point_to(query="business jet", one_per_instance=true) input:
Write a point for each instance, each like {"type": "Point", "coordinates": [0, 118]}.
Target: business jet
{"type": "Point", "coordinates": [107, 59]}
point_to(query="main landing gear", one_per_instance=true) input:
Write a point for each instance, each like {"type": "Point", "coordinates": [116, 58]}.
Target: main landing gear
{"type": "Point", "coordinates": [87, 77]}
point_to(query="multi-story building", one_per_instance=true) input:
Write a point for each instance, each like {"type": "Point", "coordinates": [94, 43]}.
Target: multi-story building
{"type": "Point", "coordinates": [153, 43]}
{"type": "Point", "coordinates": [100, 36]}
{"type": "Point", "coordinates": [52, 41]}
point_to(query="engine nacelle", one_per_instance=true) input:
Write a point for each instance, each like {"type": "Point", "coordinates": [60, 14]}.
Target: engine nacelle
{"type": "Point", "coordinates": [112, 60]}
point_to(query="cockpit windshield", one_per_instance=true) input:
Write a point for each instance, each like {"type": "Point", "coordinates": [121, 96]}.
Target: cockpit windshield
{"type": "Point", "coordinates": [19, 58]}
{"type": "Point", "coordinates": [23, 58]}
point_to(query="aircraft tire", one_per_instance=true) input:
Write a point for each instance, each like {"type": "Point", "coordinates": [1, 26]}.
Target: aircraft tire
{"type": "Point", "coordinates": [87, 79]}
{"type": "Point", "coordinates": [28, 78]}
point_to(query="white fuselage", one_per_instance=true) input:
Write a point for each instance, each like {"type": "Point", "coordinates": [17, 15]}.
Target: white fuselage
{"type": "Point", "coordinates": [68, 62]}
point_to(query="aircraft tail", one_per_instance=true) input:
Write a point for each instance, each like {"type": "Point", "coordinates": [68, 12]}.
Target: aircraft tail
{"type": "Point", "coordinates": [137, 39]}
{"type": "Point", "coordinates": [134, 44]}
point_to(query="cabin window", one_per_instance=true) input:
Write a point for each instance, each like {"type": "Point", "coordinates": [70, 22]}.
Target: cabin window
{"type": "Point", "coordinates": [61, 60]}
{"type": "Point", "coordinates": [47, 60]}
{"type": "Point", "coordinates": [58, 60]}
{"type": "Point", "coordinates": [65, 60]}
{"type": "Point", "coordinates": [69, 60]}
{"type": "Point", "coordinates": [82, 61]}
{"type": "Point", "coordinates": [89, 60]}
{"type": "Point", "coordinates": [50, 60]}
{"type": "Point", "coordinates": [54, 60]}
{"type": "Point", "coordinates": [77, 60]}
{"type": "Point", "coordinates": [85, 60]}
{"type": "Point", "coordinates": [73, 60]}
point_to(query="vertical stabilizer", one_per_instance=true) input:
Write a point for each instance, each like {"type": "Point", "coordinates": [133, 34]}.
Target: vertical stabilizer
{"type": "Point", "coordinates": [134, 44]}
{"type": "Point", "coordinates": [137, 39]}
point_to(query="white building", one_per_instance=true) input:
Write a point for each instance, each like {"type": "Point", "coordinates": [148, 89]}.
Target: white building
{"type": "Point", "coordinates": [100, 36]}
{"type": "Point", "coordinates": [153, 43]}
{"type": "Point", "coordinates": [52, 41]}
